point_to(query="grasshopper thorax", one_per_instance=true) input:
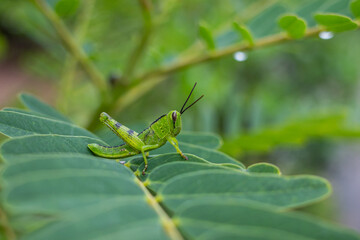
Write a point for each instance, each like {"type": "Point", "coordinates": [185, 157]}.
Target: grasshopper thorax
{"type": "Point", "coordinates": [174, 118]}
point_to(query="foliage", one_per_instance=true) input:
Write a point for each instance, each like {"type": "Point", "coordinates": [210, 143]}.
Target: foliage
{"type": "Point", "coordinates": [294, 26]}
{"type": "Point", "coordinates": [109, 55]}
{"type": "Point", "coordinates": [244, 33]}
{"type": "Point", "coordinates": [294, 133]}
{"type": "Point", "coordinates": [336, 23]}
{"type": "Point", "coordinates": [355, 8]}
{"type": "Point", "coordinates": [55, 188]}
{"type": "Point", "coordinates": [113, 64]}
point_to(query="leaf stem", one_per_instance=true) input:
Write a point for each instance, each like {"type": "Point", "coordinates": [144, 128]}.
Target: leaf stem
{"type": "Point", "coordinates": [7, 230]}
{"type": "Point", "coordinates": [168, 223]}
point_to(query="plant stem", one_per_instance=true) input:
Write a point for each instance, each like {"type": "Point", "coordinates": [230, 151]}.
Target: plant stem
{"type": "Point", "coordinates": [4, 224]}
{"type": "Point", "coordinates": [71, 45]}
{"type": "Point", "coordinates": [182, 64]}
{"type": "Point", "coordinates": [167, 222]}
{"type": "Point", "coordinates": [140, 87]}
{"type": "Point", "coordinates": [146, 8]}
{"type": "Point", "coordinates": [162, 72]}
{"type": "Point", "coordinates": [71, 62]}
{"type": "Point", "coordinates": [185, 62]}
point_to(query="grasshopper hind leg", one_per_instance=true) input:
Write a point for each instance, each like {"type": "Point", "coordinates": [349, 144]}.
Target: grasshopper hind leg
{"type": "Point", "coordinates": [112, 152]}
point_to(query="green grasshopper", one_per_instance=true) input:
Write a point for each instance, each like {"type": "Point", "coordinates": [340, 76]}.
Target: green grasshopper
{"type": "Point", "coordinates": [163, 129]}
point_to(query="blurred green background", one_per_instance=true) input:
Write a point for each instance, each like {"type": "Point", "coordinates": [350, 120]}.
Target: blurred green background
{"type": "Point", "coordinates": [295, 104]}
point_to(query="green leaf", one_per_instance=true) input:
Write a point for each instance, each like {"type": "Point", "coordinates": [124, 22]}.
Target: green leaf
{"type": "Point", "coordinates": [355, 8]}
{"type": "Point", "coordinates": [138, 162]}
{"type": "Point", "coordinates": [37, 144]}
{"type": "Point", "coordinates": [205, 153]}
{"type": "Point", "coordinates": [53, 187]}
{"type": "Point", "coordinates": [271, 190]}
{"type": "Point", "coordinates": [55, 177]}
{"type": "Point", "coordinates": [66, 8]}
{"type": "Point", "coordinates": [17, 123]}
{"type": "Point", "coordinates": [264, 23]}
{"type": "Point", "coordinates": [293, 133]}
{"type": "Point", "coordinates": [244, 33]}
{"type": "Point", "coordinates": [38, 106]}
{"type": "Point", "coordinates": [264, 168]}
{"type": "Point", "coordinates": [206, 36]}
{"type": "Point", "coordinates": [293, 25]}
{"type": "Point", "coordinates": [234, 220]}
{"type": "Point", "coordinates": [208, 140]}
{"type": "Point", "coordinates": [335, 22]}
{"type": "Point", "coordinates": [24, 111]}
{"type": "Point", "coordinates": [165, 172]}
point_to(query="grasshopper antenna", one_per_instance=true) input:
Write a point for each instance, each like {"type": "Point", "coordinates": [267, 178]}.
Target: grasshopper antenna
{"type": "Point", "coordinates": [192, 104]}
{"type": "Point", "coordinates": [182, 109]}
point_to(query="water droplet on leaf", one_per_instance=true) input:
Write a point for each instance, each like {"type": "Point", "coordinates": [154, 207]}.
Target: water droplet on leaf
{"type": "Point", "coordinates": [240, 56]}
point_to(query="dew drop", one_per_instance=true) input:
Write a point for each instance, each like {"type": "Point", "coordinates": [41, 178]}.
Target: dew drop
{"type": "Point", "coordinates": [240, 56]}
{"type": "Point", "coordinates": [326, 35]}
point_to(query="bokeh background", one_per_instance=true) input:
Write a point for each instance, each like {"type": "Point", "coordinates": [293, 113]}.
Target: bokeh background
{"type": "Point", "coordinates": [295, 104]}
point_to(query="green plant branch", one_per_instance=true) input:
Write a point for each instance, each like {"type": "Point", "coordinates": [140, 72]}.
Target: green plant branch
{"type": "Point", "coordinates": [167, 222]}
{"type": "Point", "coordinates": [70, 44]}
{"type": "Point", "coordinates": [71, 62]}
{"type": "Point", "coordinates": [185, 62]}
{"type": "Point", "coordinates": [253, 10]}
{"type": "Point", "coordinates": [182, 64]}
{"type": "Point", "coordinates": [135, 93]}
{"type": "Point", "coordinates": [4, 224]}
{"type": "Point", "coordinates": [146, 10]}
{"type": "Point", "coordinates": [140, 87]}
{"type": "Point", "coordinates": [162, 72]}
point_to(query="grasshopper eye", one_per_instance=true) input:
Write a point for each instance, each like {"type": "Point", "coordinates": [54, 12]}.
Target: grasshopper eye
{"type": "Point", "coordinates": [174, 116]}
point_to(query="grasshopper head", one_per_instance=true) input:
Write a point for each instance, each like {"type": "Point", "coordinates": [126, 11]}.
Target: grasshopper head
{"type": "Point", "coordinates": [175, 116]}
{"type": "Point", "coordinates": [175, 121]}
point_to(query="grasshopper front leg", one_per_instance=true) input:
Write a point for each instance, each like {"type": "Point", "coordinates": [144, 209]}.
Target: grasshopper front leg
{"type": "Point", "coordinates": [145, 149]}
{"type": "Point", "coordinates": [175, 143]}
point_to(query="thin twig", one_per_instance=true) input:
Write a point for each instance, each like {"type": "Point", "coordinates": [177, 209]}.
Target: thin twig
{"type": "Point", "coordinates": [146, 10]}
{"type": "Point", "coordinates": [71, 45]}
{"type": "Point", "coordinates": [182, 64]}
{"type": "Point", "coordinates": [66, 81]}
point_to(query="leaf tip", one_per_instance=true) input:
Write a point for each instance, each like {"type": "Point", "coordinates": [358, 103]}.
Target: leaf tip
{"type": "Point", "coordinates": [355, 8]}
